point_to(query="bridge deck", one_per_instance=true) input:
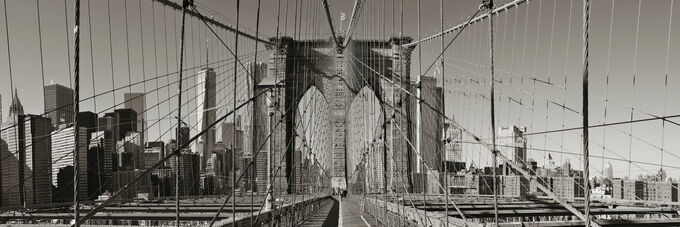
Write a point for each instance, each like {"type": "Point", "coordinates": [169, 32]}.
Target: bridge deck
{"type": "Point", "coordinates": [343, 212]}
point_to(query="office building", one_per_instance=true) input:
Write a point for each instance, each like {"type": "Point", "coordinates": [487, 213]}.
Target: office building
{"type": "Point", "coordinates": [511, 143]}
{"type": "Point", "coordinates": [124, 121]}
{"type": "Point", "coordinates": [26, 159]}
{"type": "Point", "coordinates": [661, 191]}
{"type": "Point", "coordinates": [153, 153]}
{"type": "Point", "coordinates": [205, 104]}
{"type": "Point", "coordinates": [375, 170]}
{"type": "Point", "coordinates": [228, 130]}
{"type": "Point", "coordinates": [141, 187]}
{"type": "Point", "coordinates": [453, 148]}
{"type": "Point", "coordinates": [431, 129]}
{"type": "Point", "coordinates": [15, 109]}
{"type": "Point", "coordinates": [137, 102]}
{"type": "Point", "coordinates": [261, 123]}
{"type": "Point", "coordinates": [96, 174]}
{"type": "Point", "coordinates": [183, 135]}
{"type": "Point", "coordinates": [88, 120]}
{"type": "Point", "coordinates": [9, 168]}
{"type": "Point", "coordinates": [517, 186]}
{"type": "Point", "coordinates": [63, 144]}
{"type": "Point", "coordinates": [163, 182]}
{"type": "Point", "coordinates": [189, 174]}
{"type": "Point", "coordinates": [135, 147]}
{"type": "Point", "coordinates": [109, 133]}
{"type": "Point", "coordinates": [609, 171]}
{"type": "Point", "coordinates": [59, 104]}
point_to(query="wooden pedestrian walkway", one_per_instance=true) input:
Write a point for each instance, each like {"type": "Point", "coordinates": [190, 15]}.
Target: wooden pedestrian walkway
{"type": "Point", "coordinates": [351, 214]}
{"type": "Point", "coordinates": [342, 212]}
{"type": "Point", "coordinates": [326, 216]}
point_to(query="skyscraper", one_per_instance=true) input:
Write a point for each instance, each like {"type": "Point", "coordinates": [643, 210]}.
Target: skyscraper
{"type": "Point", "coordinates": [62, 156]}
{"type": "Point", "coordinates": [59, 104]}
{"type": "Point", "coordinates": [9, 168]}
{"type": "Point", "coordinates": [26, 160]}
{"type": "Point", "coordinates": [453, 148]}
{"type": "Point", "coordinates": [511, 142]}
{"type": "Point", "coordinates": [109, 133]}
{"type": "Point", "coordinates": [189, 175]}
{"type": "Point", "coordinates": [206, 93]}
{"type": "Point", "coordinates": [154, 152]}
{"type": "Point", "coordinates": [88, 120]}
{"type": "Point", "coordinates": [431, 128]}
{"type": "Point", "coordinates": [260, 125]}
{"type": "Point", "coordinates": [16, 109]}
{"type": "Point", "coordinates": [126, 121]}
{"type": "Point", "coordinates": [137, 102]}
{"type": "Point", "coordinates": [133, 145]}
{"type": "Point", "coordinates": [609, 171]}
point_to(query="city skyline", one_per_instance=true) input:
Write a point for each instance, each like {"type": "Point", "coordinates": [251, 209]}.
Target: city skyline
{"type": "Point", "coordinates": [213, 112]}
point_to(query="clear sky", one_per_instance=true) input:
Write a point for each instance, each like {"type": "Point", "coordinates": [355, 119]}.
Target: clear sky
{"type": "Point", "coordinates": [525, 45]}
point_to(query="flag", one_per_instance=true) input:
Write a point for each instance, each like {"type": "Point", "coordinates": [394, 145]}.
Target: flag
{"type": "Point", "coordinates": [549, 156]}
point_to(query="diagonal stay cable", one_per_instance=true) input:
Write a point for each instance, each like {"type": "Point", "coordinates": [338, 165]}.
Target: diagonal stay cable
{"type": "Point", "coordinates": [487, 146]}
{"type": "Point", "coordinates": [382, 104]}
{"type": "Point", "coordinates": [449, 44]}
{"type": "Point", "coordinates": [175, 152]}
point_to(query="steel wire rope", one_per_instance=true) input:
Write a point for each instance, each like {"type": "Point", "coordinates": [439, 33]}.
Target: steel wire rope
{"type": "Point", "coordinates": [566, 62]}
{"type": "Point", "coordinates": [570, 208]}
{"type": "Point", "coordinates": [68, 154]}
{"type": "Point", "coordinates": [251, 173]}
{"type": "Point", "coordinates": [635, 61]}
{"type": "Point", "coordinates": [409, 143]}
{"type": "Point", "coordinates": [156, 165]}
{"type": "Point", "coordinates": [665, 100]}
{"type": "Point", "coordinates": [258, 150]}
{"type": "Point", "coordinates": [255, 156]}
{"type": "Point", "coordinates": [68, 45]}
{"type": "Point", "coordinates": [604, 124]}
{"type": "Point", "coordinates": [40, 41]}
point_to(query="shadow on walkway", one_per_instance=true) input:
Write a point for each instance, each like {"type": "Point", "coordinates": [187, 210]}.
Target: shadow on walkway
{"type": "Point", "coordinates": [326, 216]}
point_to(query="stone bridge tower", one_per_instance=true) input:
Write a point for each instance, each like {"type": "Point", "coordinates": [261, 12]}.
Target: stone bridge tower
{"type": "Point", "coordinates": [296, 66]}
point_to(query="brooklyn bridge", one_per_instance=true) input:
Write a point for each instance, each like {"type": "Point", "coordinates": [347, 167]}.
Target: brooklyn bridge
{"type": "Point", "coordinates": [339, 113]}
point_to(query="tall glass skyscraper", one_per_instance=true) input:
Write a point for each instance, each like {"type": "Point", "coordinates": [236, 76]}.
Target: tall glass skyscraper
{"type": "Point", "coordinates": [206, 105]}
{"type": "Point", "coordinates": [59, 104]}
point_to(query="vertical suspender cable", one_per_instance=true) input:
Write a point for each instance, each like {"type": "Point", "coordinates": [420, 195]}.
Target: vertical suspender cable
{"type": "Point", "coordinates": [141, 41]}
{"type": "Point", "coordinates": [606, 93]}
{"type": "Point", "coordinates": [419, 162]}
{"type": "Point", "coordinates": [94, 90]}
{"type": "Point", "coordinates": [42, 66]}
{"type": "Point", "coordinates": [11, 81]}
{"type": "Point", "coordinates": [586, 162]}
{"type": "Point", "coordinates": [401, 100]}
{"type": "Point", "coordinates": [632, 97]}
{"type": "Point", "coordinates": [255, 70]}
{"type": "Point", "coordinates": [443, 118]}
{"type": "Point", "coordinates": [185, 4]}
{"type": "Point", "coordinates": [127, 49]}
{"type": "Point", "coordinates": [113, 81]}
{"type": "Point", "coordinates": [665, 96]}
{"type": "Point", "coordinates": [493, 113]}
{"type": "Point", "coordinates": [233, 151]}
{"type": "Point", "coordinates": [384, 127]}
{"type": "Point", "coordinates": [76, 106]}
{"type": "Point", "coordinates": [68, 45]}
